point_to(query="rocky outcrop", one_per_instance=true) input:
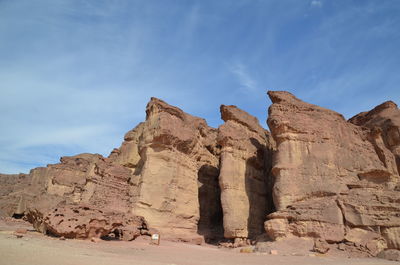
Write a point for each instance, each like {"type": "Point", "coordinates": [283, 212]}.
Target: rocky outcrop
{"type": "Point", "coordinates": [53, 197]}
{"type": "Point", "coordinates": [174, 161]}
{"type": "Point", "coordinates": [82, 221]}
{"type": "Point", "coordinates": [384, 120]}
{"type": "Point", "coordinates": [316, 218]}
{"type": "Point", "coordinates": [315, 176]}
{"type": "Point", "coordinates": [246, 154]}
{"type": "Point", "coordinates": [186, 179]}
{"type": "Point", "coordinates": [12, 187]}
{"type": "Point", "coordinates": [320, 154]}
{"type": "Point", "coordinates": [189, 178]}
{"type": "Point", "coordinates": [335, 180]}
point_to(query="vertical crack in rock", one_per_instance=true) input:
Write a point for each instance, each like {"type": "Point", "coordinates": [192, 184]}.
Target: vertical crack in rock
{"type": "Point", "coordinates": [210, 222]}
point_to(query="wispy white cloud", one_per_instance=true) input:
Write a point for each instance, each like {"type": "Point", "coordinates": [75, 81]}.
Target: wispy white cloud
{"type": "Point", "coordinates": [243, 77]}
{"type": "Point", "coordinates": [41, 146]}
{"type": "Point", "coordinates": [76, 76]}
{"type": "Point", "coordinates": [316, 3]}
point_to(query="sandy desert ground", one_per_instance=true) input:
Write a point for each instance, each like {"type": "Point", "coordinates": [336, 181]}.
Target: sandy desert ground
{"type": "Point", "coordinates": [34, 248]}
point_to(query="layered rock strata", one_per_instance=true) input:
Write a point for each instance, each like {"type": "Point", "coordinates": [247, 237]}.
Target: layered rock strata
{"type": "Point", "coordinates": [183, 182]}
{"type": "Point", "coordinates": [315, 175]}
{"type": "Point", "coordinates": [53, 200]}
{"type": "Point", "coordinates": [334, 179]}
{"type": "Point", "coordinates": [174, 161]}
{"type": "Point", "coordinates": [384, 120]}
{"type": "Point", "coordinates": [173, 170]}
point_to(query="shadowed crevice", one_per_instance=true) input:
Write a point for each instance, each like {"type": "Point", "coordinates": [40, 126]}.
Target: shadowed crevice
{"type": "Point", "coordinates": [210, 224]}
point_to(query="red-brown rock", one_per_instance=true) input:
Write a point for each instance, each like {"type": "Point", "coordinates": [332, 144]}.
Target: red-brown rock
{"type": "Point", "coordinates": [81, 221]}
{"type": "Point", "coordinates": [330, 180]}
{"type": "Point", "coordinates": [12, 187]}
{"type": "Point", "coordinates": [246, 153]}
{"type": "Point", "coordinates": [335, 180]}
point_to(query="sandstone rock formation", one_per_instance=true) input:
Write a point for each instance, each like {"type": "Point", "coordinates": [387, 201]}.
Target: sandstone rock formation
{"type": "Point", "coordinates": [321, 154]}
{"type": "Point", "coordinates": [82, 221]}
{"type": "Point", "coordinates": [174, 162]}
{"type": "Point", "coordinates": [56, 192]}
{"type": "Point", "coordinates": [183, 179]}
{"type": "Point", "coordinates": [10, 194]}
{"type": "Point", "coordinates": [246, 154]}
{"type": "Point", "coordinates": [315, 176]}
{"type": "Point", "coordinates": [384, 120]}
{"type": "Point", "coordinates": [173, 170]}
{"type": "Point", "coordinates": [333, 176]}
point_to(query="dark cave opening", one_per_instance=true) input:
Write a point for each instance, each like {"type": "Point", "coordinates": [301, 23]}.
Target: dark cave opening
{"type": "Point", "coordinates": [17, 215]}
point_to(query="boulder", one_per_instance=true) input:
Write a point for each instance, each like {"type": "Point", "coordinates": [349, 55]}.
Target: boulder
{"type": "Point", "coordinates": [86, 222]}
{"type": "Point", "coordinates": [277, 228]}
{"type": "Point", "coordinates": [392, 236]}
{"type": "Point", "coordinates": [321, 246]}
{"type": "Point", "coordinates": [366, 240]}
{"type": "Point", "coordinates": [390, 254]}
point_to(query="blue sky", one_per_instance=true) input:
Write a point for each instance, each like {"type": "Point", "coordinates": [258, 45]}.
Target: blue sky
{"type": "Point", "coordinates": [76, 75]}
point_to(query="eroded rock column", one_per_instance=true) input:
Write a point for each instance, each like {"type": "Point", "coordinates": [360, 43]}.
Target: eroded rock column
{"type": "Point", "coordinates": [244, 175]}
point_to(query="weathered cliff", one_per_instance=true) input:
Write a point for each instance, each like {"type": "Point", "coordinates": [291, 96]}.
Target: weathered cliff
{"type": "Point", "coordinates": [81, 196]}
{"type": "Point", "coordinates": [186, 179]}
{"type": "Point", "coordinates": [12, 187]}
{"type": "Point", "coordinates": [190, 178]}
{"type": "Point", "coordinates": [385, 121]}
{"type": "Point", "coordinates": [174, 161]}
{"type": "Point", "coordinates": [314, 175]}
{"type": "Point", "coordinates": [333, 180]}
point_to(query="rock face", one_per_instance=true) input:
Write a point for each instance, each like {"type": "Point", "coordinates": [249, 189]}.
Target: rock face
{"type": "Point", "coordinates": [321, 154]}
{"type": "Point", "coordinates": [174, 161]}
{"type": "Point", "coordinates": [190, 178]}
{"type": "Point", "coordinates": [173, 170]}
{"type": "Point", "coordinates": [54, 197]}
{"type": "Point", "coordinates": [10, 194]}
{"type": "Point", "coordinates": [316, 176]}
{"type": "Point", "coordinates": [384, 120]}
{"type": "Point", "coordinates": [333, 176]}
